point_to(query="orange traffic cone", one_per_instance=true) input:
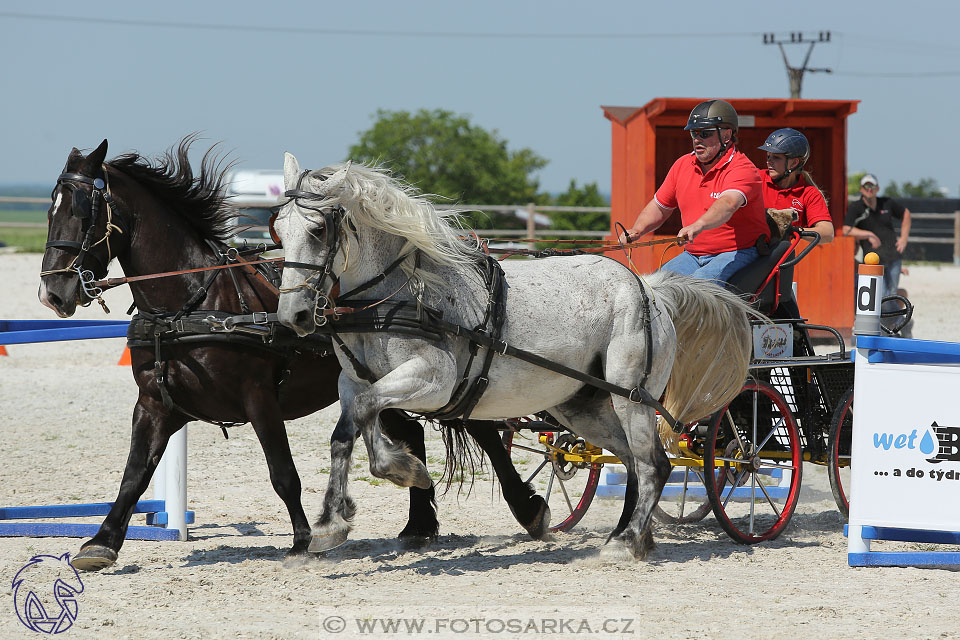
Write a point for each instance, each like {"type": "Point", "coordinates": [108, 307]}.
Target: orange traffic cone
{"type": "Point", "coordinates": [125, 358]}
{"type": "Point", "coordinates": [3, 351]}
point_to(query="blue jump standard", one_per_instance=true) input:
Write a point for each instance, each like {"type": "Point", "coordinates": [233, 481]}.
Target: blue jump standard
{"type": "Point", "coordinates": [156, 515]}
{"type": "Point", "coordinates": [26, 331]}
{"type": "Point", "coordinates": [905, 558]}
{"type": "Point", "coordinates": [616, 487]}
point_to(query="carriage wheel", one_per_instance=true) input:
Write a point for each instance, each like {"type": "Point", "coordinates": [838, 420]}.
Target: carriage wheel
{"type": "Point", "coordinates": [567, 487]}
{"type": "Point", "coordinates": [683, 501]}
{"type": "Point", "coordinates": [754, 446]}
{"type": "Point", "coordinates": [841, 434]}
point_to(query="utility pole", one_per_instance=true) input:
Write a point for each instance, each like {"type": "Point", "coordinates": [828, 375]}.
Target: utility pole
{"type": "Point", "coordinates": [795, 74]}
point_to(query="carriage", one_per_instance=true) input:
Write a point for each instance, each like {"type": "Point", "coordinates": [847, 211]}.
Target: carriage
{"type": "Point", "coordinates": [796, 406]}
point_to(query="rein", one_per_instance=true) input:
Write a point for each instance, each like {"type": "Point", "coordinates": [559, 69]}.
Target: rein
{"type": "Point", "coordinates": [110, 283]}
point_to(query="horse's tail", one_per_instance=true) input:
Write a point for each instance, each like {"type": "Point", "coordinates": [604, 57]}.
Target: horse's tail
{"type": "Point", "coordinates": [464, 457]}
{"type": "Point", "coordinates": [714, 344]}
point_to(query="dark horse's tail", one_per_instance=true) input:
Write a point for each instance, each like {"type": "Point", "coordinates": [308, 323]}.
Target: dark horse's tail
{"type": "Point", "coordinates": [465, 443]}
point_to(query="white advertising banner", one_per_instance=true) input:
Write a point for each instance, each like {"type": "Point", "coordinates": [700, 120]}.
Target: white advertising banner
{"type": "Point", "coordinates": [906, 446]}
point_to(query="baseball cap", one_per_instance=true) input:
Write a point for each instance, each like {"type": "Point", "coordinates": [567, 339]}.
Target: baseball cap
{"type": "Point", "coordinates": [869, 179]}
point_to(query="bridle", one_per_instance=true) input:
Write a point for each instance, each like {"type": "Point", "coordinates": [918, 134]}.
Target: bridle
{"type": "Point", "coordinates": [324, 302]}
{"type": "Point", "coordinates": [331, 222]}
{"type": "Point", "coordinates": [87, 209]}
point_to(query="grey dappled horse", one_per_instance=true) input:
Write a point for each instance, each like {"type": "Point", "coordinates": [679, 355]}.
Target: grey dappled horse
{"type": "Point", "coordinates": [350, 223]}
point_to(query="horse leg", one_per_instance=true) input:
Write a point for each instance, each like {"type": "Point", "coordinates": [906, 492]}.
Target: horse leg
{"type": "Point", "coordinates": [265, 415]}
{"type": "Point", "coordinates": [598, 420]}
{"type": "Point", "coordinates": [422, 524]}
{"type": "Point", "coordinates": [333, 526]}
{"type": "Point", "coordinates": [152, 427]}
{"type": "Point", "coordinates": [647, 471]}
{"type": "Point", "coordinates": [530, 509]}
{"type": "Point", "coordinates": [410, 384]}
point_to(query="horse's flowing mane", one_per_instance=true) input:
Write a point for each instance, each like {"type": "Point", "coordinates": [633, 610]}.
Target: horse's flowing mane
{"type": "Point", "coordinates": [199, 200]}
{"type": "Point", "coordinates": [371, 197]}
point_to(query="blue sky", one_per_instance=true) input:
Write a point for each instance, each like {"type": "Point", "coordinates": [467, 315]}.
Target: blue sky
{"type": "Point", "coordinates": [269, 77]}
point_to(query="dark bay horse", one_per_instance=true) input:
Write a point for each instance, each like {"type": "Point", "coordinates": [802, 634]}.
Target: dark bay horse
{"type": "Point", "coordinates": [157, 216]}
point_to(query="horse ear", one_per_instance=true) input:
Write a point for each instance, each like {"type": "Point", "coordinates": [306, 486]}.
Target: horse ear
{"type": "Point", "coordinates": [335, 180]}
{"type": "Point", "coordinates": [91, 164]}
{"type": "Point", "coordinates": [291, 170]}
{"type": "Point", "coordinates": [73, 159]}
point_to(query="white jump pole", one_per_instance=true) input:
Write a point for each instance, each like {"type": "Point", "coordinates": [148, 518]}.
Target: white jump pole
{"type": "Point", "coordinates": [174, 463]}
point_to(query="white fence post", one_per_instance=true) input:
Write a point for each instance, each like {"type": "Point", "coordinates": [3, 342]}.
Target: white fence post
{"type": "Point", "coordinates": [175, 482]}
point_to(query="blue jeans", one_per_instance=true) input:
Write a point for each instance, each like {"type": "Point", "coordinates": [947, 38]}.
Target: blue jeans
{"type": "Point", "coordinates": [891, 283]}
{"type": "Point", "coordinates": [719, 268]}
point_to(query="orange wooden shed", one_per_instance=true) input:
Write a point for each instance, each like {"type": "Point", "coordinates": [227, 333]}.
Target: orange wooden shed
{"type": "Point", "coordinates": [648, 139]}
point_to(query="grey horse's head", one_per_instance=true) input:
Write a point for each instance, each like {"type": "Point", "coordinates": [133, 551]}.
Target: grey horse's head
{"type": "Point", "coordinates": [308, 232]}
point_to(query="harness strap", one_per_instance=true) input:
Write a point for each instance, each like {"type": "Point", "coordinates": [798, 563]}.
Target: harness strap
{"type": "Point", "coordinates": [465, 396]}
{"type": "Point", "coordinates": [637, 394]}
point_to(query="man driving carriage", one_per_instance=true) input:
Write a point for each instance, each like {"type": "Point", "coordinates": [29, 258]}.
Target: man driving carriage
{"type": "Point", "coordinates": [718, 190]}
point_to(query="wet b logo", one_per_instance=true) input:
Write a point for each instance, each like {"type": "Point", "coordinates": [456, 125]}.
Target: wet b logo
{"type": "Point", "coordinates": [948, 441]}
{"type": "Point", "coordinates": [45, 594]}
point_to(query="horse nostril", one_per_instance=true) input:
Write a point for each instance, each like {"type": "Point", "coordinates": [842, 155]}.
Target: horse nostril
{"type": "Point", "coordinates": [302, 318]}
{"type": "Point", "coordinates": [55, 300]}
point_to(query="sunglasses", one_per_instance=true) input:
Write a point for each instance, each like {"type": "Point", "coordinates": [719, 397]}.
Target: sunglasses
{"type": "Point", "coordinates": [870, 187]}
{"type": "Point", "coordinates": [703, 134]}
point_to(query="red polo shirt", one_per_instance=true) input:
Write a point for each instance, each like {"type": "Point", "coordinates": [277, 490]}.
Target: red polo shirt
{"type": "Point", "coordinates": [804, 198]}
{"type": "Point", "coordinates": [687, 187]}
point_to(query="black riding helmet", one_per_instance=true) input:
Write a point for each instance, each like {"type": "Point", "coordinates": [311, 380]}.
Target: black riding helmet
{"type": "Point", "coordinates": [714, 114]}
{"type": "Point", "coordinates": [790, 143]}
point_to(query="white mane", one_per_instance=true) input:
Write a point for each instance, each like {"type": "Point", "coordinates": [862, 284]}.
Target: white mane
{"type": "Point", "coordinates": [371, 197]}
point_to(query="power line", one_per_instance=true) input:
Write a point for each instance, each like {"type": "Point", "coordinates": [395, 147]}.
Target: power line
{"type": "Point", "coordinates": [895, 74]}
{"type": "Point", "coordinates": [209, 26]}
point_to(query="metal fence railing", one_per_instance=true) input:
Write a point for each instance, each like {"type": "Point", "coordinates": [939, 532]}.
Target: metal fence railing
{"type": "Point", "coordinates": [536, 213]}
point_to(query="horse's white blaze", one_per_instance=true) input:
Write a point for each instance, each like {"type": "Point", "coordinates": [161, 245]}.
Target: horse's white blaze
{"type": "Point", "coordinates": [56, 203]}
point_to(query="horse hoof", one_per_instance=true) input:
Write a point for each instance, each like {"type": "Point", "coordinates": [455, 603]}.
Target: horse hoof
{"type": "Point", "coordinates": [94, 558]}
{"type": "Point", "coordinates": [615, 552]}
{"type": "Point", "coordinates": [540, 526]}
{"type": "Point", "coordinates": [298, 560]}
{"type": "Point", "coordinates": [413, 543]}
{"type": "Point", "coordinates": [423, 479]}
{"type": "Point", "coordinates": [327, 542]}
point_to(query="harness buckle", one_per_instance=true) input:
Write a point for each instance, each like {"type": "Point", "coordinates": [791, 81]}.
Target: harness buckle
{"type": "Point", "coordinates": [178, 326]}
{"type": "Point", "coordinates": [215, 324]}
{"type": "Point", "coordinates": [260, 317]}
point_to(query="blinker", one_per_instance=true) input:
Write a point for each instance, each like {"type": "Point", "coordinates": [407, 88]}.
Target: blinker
{"type": "Point", "coordinates": [81, 204]}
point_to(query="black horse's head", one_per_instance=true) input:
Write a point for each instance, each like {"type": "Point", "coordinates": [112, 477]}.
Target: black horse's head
{"type": "Point", "coordinates": [78, 236]}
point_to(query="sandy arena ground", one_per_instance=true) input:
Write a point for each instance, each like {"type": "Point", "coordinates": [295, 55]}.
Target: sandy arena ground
{"type": "Point", "coordinates": [64, 429]}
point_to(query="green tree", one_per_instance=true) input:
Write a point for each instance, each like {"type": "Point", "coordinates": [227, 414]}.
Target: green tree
{"type": "Point", "coordinates": [925, 188]}
{"type": "Point", "coordinates": [442, 153]}
{"type": "Point", "coordinates": [853, 183]}
{"type": "Point", "coordinates": [586, 196]}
